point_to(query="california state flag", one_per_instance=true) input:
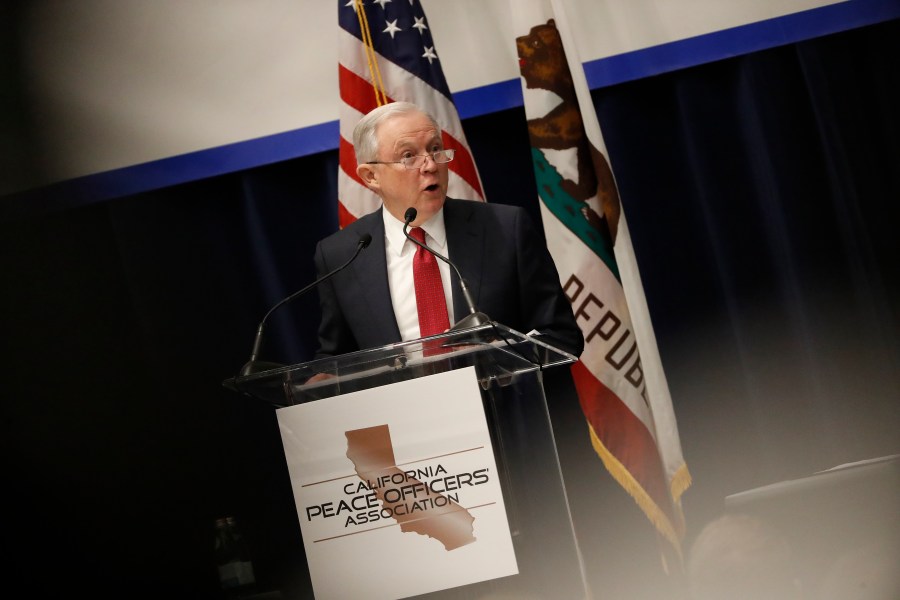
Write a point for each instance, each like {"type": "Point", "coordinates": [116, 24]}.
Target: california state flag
{"type": "Point", "coordinates": [621, 385]}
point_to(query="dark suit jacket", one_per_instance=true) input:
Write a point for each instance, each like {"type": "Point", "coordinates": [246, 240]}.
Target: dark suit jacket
{"type": "Point", "coordinates": [510, 275]}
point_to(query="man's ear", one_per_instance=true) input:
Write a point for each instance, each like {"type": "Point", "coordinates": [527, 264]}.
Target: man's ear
{"type": "Point", "coordinates": [368, 176]}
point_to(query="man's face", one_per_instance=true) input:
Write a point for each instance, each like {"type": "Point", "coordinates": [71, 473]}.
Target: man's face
{"type": "Point", "coordinates": [425, 188]}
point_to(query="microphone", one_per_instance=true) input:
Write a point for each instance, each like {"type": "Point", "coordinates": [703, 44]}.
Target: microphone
{"type": "Point", "coordinates": [255, 366]}
{"type": "Point", "coordinates": [474, 318]}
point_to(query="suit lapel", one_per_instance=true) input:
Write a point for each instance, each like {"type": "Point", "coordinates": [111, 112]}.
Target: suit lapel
{"type": "Point", "coordinates": [370, 272]}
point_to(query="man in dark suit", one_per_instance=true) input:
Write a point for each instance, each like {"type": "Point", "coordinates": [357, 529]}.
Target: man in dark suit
{"type": "Point", "coordinates": [509, 271]}
{"type": "Point", "coordinates": [511, 278]}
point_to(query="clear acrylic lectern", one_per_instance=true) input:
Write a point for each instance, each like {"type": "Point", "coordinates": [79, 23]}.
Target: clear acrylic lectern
{"type": "Point", "coordinates": [508, 368]}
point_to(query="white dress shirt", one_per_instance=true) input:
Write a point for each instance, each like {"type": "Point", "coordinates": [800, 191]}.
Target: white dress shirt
{"type": "Point", "coordinates": [399, 252]}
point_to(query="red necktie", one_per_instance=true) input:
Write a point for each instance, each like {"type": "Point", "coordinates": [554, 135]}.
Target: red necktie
{"type": "Point", "coordinates": [430, 299]}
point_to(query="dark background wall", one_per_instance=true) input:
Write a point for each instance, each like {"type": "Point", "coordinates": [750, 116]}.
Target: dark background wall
{"type": "Point", "coordinates": [761, 193]}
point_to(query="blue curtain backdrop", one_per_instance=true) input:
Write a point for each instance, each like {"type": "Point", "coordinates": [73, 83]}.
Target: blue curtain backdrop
{"type": "Point", "coordinates": [761, 193]}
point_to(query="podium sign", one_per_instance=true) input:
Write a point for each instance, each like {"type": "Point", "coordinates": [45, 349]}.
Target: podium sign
{"type": "Point", "coordinates": [428, 468]}
{"type": "Point", "coordinates": [397, 490]}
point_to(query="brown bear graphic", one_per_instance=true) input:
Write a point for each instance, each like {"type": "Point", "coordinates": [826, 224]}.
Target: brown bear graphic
{"type": "Point", "coordinates": [543, 64]}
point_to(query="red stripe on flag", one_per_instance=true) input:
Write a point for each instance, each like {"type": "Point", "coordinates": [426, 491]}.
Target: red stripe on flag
{"type": "Point", "coordinates": [356, 92]}
{"type": "Point", "coordinates": [347, 158]}
{"type": "Point", "coordinates": [462, 164]}
{"type": "Point", "coordinates": [344, 216]}
{"type": "Point", "coordinates": [624, 435]}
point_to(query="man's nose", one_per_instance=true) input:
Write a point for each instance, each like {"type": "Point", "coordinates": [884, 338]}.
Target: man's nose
{"type": "Point", "coordinates": [428, 164]}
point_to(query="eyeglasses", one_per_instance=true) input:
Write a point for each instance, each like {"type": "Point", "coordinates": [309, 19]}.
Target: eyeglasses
{"type": "Point", "coordinates": [415, 162]}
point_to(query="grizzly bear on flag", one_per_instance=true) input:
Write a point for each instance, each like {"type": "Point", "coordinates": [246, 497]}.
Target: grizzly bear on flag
{"type": "Point", "coordinates": [543, 65]}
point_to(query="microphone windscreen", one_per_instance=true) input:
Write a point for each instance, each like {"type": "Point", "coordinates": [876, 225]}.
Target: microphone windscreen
{"type": "Point", "coordinates": [364, 240]}
{"type": "Point", "coordinates": [410, 214]}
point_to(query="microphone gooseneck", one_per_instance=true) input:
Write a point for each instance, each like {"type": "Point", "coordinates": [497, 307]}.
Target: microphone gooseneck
{"type": "Point", "coordinates": [255, 366]}
{"type": "Point", "coordinates": [474, 318]}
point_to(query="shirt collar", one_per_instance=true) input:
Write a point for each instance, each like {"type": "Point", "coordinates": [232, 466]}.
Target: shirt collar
{"type": "Point", "coordinates": [434, 228]}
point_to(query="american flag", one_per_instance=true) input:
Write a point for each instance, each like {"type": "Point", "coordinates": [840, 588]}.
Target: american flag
{"type": "Point", "coordinates": [387, 54]}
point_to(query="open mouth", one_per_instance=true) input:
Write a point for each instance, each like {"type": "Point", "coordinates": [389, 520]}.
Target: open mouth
{"type": "Point", "coordinates": [431, 188]}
